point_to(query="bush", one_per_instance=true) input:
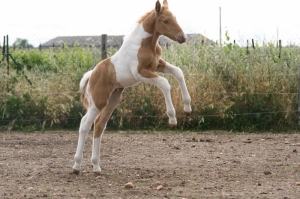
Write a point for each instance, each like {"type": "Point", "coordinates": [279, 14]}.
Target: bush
{"type": "Point", "coordinates": [231, 89]}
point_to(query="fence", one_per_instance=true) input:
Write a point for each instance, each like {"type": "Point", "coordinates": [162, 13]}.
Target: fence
{"type": "Point", "coordinates": [112, 41]}
{"type": "Point", "coordinates": [232, 89]}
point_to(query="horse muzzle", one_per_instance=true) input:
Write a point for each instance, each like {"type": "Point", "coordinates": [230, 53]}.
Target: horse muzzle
{"type": "Point", "coordinates": [181, 38]}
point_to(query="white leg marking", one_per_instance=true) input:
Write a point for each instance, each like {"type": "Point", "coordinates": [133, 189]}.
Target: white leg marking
{"type": "Point", "coordinates": [96, 154]}
{"type": "Point", "coordinates": [163, 84]}
{"type": "Point", "coordinates": [85, 126]}
{"type": "Point", "coordinates": [177, 73]}
{"type": "Point", "coordinates": [100, 125]}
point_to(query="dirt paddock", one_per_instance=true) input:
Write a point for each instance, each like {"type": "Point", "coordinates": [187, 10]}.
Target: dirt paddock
{"type": "Point", "coordinates": [159, 165]}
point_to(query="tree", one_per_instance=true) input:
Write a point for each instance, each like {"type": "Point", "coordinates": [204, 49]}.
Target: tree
{"type": "Point", "coordinates": [22, 43]}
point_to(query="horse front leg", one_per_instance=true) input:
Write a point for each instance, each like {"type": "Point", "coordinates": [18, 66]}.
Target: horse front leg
{"type": "Point", "coordinates": [168, 68]}
{"type": "Point", "coordinates": [163, 84]}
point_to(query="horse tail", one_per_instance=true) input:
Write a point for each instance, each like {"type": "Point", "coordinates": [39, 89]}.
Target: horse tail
{"type": "Point", "coordinates": [85, 96]}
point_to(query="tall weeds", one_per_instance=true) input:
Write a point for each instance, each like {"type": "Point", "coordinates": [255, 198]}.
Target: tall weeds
{"type": "Point", "coordinates": [231, 89]}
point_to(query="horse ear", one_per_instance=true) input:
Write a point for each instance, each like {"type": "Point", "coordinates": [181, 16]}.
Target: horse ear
{"type": "Point", "coordinates": [165, 3]}
{"type": "Point", "coordinates": [157, 6]}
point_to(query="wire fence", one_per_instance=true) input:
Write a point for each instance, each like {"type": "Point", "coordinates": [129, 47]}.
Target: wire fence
{"type": "Point", "coordinates": [219, 97]}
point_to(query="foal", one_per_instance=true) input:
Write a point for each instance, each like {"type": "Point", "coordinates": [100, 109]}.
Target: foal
{"type": "Point", "coordinates": [136, 61]}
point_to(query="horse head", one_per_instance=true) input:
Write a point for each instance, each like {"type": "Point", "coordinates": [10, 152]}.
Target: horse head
{"type": "Point", "coordinates": [166, 23]}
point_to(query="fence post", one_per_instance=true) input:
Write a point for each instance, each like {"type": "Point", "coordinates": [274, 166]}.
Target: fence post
{"type": "Point", "coordinates": [247, 46]}
{"type": "Point", "coordinates": [104, 46]}
{"type": "Point", "coordinates": [279, 49]}
{"type": "Point", "coordinates": [7, 60]}
{"type": "Point", "coordinates": [3, 47]}
{"type": "Point", "coordinates": [298, 96]}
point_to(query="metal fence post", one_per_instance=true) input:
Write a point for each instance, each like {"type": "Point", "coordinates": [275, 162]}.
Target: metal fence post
{"type": "Point", "coordinates": [7, 60]}
{"type": "Point", "coordinates": [298, 96]}
{"type": "Point", "coordinates": [280, 47]}
{"type": "Point", "coordinates": [247, 46]}
{"type": "Point", "coordinates": [104, 46]}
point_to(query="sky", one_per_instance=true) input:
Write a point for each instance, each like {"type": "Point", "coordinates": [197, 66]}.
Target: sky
{"type": "Point", "coordinates": [41, 20]}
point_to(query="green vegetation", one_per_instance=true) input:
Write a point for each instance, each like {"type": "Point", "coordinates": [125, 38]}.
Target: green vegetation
{"type": "Point", "coordinates": [22, 44]}
{"type": "Point", "coordinates": [231, 89]}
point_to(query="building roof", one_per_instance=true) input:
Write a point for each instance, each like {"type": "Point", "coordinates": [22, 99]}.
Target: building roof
{"type": "Point", "coordinates": [112, 40]}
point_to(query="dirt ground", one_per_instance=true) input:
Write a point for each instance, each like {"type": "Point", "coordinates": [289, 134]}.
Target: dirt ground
{"type": "Point", "coordinates": [159, 165]}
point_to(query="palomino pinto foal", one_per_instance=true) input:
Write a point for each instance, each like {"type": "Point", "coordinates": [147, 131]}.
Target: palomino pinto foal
{"type": "Point", "coordinates": [136, 61]}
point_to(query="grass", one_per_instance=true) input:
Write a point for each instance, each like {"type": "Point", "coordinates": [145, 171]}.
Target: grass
{"type": "Point", "coordinates": [231, 89]}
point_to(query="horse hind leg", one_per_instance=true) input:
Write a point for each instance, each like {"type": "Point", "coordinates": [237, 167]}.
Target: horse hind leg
{"type": "Point", "coordinates": [99, 127]}
{"type": "Point", "coordinates": [85, 126]}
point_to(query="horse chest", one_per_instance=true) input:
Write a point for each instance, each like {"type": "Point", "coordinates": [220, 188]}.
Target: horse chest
{"type": "Point", "coordinates": [149, 59]}
{"type": "Point", "coordinates": [154, 63]}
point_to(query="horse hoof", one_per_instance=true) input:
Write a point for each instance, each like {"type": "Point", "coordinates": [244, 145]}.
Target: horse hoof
{"type": "Point", "coordinates": [173, 126]}
{"type": "Point", "coordinates": [76, 172]}
{"type": "Point", "coordinates": [97, 173]}
{"type": "Point", "coordinates": [187, 113]}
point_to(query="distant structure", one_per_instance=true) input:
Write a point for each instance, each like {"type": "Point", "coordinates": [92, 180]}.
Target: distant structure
{"type": "Point", "coordinates": [86, 41]}
{"type": "Point", "coordinates": [112, 41]}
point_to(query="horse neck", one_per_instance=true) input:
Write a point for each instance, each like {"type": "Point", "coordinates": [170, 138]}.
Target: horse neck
{"type": "Point", "coordinates": [145, 29]}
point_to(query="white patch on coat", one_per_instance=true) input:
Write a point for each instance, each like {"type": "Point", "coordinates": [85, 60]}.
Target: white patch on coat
{"type": "Point", "coordinates": [126, 60]}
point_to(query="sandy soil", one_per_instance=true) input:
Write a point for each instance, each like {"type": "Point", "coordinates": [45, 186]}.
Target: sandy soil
{"type": "Point", "coordinates": [159, 165]}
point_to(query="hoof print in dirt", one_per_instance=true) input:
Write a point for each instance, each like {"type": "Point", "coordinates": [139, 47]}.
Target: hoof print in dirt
{"type": "Point", "coordinates": [97, 173]}
{"type": "Point", "coordinates": [206, 140]}
{"type": "Point", "coordinates": [192, 140]}
{"type": "Point", "coordinates": [267, 173]}
{"type": "Point", "coordinates": [176, 147]}
{"type": "Point", "coordinates": [76, 172]}
{"type": "Point", "coordinates": [248, 141]}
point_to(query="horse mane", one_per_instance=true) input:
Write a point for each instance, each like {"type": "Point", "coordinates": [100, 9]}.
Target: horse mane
{"type": "Point", "coordinates": [148, 13]}
{"type": "Point", "coordinates": [143, 17]}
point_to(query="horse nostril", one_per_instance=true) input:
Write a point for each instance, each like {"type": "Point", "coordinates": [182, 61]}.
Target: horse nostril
{"type": "Point", "coordinates": [181, 39]}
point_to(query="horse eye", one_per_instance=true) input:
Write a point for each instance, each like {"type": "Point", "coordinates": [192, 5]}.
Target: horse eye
{"type": "Point", "coordinates": [166, 21]}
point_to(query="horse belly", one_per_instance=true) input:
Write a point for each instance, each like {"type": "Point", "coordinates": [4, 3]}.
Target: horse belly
{"type": "Point", "coordinates": [126, 78]}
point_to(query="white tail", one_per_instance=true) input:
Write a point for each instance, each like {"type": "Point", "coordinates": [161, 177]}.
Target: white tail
{"type": "Point", "coordinates": [84, 95]}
